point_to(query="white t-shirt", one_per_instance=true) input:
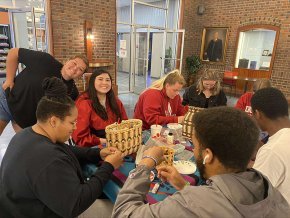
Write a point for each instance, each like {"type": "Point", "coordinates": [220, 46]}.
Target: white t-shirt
{"type": "Point", "coordinates": [273, 160]}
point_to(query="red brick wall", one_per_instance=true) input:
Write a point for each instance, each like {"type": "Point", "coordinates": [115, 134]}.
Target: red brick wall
{"type": "Point", "coordinates": [236, 13]}
{"type": "Point", "coordinates": [68, 17]}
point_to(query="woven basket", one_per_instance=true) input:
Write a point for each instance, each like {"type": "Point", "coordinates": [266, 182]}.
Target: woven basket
{"type": "Point", "coordinates": [126, 136]}
{"type": "Point", "coordinates": [187, 123]}
{"type": "Point", "coordinates": [168, 154]}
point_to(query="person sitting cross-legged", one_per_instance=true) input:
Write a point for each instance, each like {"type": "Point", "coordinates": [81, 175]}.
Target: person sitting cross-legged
{"type": "Point", "coordinates": [224, 139]}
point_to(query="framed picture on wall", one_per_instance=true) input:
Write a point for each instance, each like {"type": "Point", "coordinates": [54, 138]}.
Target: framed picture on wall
{"type": "Point", "coordinates": [214, 44]}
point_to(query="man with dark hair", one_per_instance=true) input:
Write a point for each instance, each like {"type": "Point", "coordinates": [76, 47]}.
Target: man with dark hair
{"type": "Point", "coordinates": [270, 109]}
{"type": "Point", "coordinates": [224, 140]}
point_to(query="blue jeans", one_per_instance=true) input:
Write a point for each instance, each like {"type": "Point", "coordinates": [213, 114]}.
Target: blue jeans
{"type": "Point", "coordinates": [5, 114]}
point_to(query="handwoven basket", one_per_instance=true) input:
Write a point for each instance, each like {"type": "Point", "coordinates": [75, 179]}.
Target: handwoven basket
{"type": "Point", "coordinates": [168, 154]}
{"type": "Point", "coordinates": [126, 136]}
{"type": "Point", "coordinates": [187, 123]}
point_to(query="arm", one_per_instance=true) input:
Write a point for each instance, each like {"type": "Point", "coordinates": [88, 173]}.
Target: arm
{"type": "Point", "coordinates": [60, 178]}
{"type": "Point", "coordinates": [241, 103]}
{"type": "Point", "coordinates": [130, 200]}
{"type": "Point", "coordinates": [222, 99]}
{"type": "Point", "coordinates": [122, 110]}
{"type": "Point", "coordinates": [82, 135]}
{"type": "Point", "coordinates": [152, 107]}
{"type": "Point", "coordinates": [181, 110]}
{"type": "Point", "coordinates": [185, 100]}
{"type": "Point", "coordinates": [11, 67]}
{"type": "Point", "coordinates": [270, 165]}
{"type": "Point", "coordinates": [85, 155]}
{"type": "Point", "coordinates": [220, 49]}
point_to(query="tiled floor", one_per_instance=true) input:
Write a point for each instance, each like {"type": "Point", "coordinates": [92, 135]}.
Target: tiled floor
{"type": "Point", "coordinates": [123, 81]}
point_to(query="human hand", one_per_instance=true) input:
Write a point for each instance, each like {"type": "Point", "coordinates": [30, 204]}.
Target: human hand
{"type": "Point", "coordinates": [103, 141]}
{"type": "Point", "coordinates": [115, 159]}
{"type": "Point", "coordinates": [155, 152]}
{"type": "Point", "coordinates": [180, 119]}
{"type": "Point", "coordinates": [170, 174]}
{"type": "Point", "coordinates": [107, 151]}
{"type": "Point", "coordinates": [8, 84]}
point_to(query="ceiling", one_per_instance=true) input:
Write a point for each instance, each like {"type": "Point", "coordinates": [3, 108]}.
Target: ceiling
{"type": "Point", "coordinates": [21, 3]}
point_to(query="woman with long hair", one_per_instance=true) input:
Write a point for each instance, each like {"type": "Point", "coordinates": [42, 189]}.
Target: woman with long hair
{"type": "Point", "coordinates": [98, 107]}
{"type": "Point", "coordinates": [161, 102]}
{"type": "Point", "coordinates": [40, 176]}
{"type": "Point", "coordinates": [206, 93]}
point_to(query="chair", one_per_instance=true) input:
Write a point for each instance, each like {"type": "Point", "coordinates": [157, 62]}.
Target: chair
{"type": "Point", "coordinates": [229, 81]}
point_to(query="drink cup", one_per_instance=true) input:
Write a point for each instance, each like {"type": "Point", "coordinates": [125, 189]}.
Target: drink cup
{"type": "Point", "coordinates": [155, 130]}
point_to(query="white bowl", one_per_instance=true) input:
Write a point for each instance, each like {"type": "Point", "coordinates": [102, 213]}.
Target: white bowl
{"type": "Point", "coordinates": [174, 126]}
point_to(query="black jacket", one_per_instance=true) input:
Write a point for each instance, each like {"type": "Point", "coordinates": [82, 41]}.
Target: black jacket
{"type": "Point", "coordinates": [41, 179]}
{"type": "Point", "coordinates": [192, 98]}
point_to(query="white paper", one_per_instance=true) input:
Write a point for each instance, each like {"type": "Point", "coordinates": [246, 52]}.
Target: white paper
{"type": "Point", "coordinates": [122, 53]}
{"type": "Point", "coordinates": [123, 44]}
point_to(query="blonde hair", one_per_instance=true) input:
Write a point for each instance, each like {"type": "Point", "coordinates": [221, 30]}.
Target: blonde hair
{"type": "Point", "coordinates": [260, 84]}
{"type": "Point", "coordinates": [209, 74]}
{"type": "Point", "coordinates": [171, 78]}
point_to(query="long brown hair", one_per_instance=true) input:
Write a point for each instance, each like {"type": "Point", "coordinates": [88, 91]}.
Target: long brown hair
{"type": "Point", "coordinates": [98, 107]}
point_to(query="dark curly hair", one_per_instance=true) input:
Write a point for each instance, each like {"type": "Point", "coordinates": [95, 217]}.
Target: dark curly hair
{"type": "Point", "coordinates": [271, 102]}
{"type": "Point", "coordinates": [229, 133]}
{"type": "Point", "coordinates": [92, 92]}
{"type": "Point", "coordinates": [55, 101]}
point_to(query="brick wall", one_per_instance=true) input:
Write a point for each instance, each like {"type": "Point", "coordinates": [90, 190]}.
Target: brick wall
{"type": "Point", "coordinates": [68, 17]}
{"type": "Point", "coordinates": [236, 13]}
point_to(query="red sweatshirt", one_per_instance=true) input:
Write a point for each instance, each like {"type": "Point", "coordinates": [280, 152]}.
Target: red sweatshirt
{"type": "Point", "coordinates": [152, 108]}
{"type": "Point", "coordinates": [88, 119]}
{"type": "Point", "coordinates": [244, 103]}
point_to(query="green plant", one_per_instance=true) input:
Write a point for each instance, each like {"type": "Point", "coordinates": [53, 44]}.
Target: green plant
{"type": "Point", "coordinates": [193, 64]}
{"type": "Point", "coordinates": [168, 56]}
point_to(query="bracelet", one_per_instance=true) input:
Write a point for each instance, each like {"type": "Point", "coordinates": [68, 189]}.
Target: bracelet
{"type": "Point", "coordinates": [152, 158]}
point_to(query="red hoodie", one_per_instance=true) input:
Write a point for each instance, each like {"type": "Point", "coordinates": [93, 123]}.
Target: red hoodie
{"type": "Point", "coordinates": [152, 108]}
{"type": "Point", "coordinates": [244, 103]}
{"type": "Point", "coordinates": [88, 120]}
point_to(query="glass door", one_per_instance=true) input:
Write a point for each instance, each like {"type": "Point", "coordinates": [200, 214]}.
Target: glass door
{"type": "Point", "coordinates": [140, 59]}
{"type": "Point", "coordinates": [23, 28]}
{"type": "Point", "coordinates": [123, 46]}
{"type": "Point", "coordinates": [40, 30]}
{"type": "Point", "coordinates": [173, 41]}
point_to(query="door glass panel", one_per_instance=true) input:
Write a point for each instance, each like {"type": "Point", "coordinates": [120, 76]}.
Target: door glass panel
{"type": "Point", "coordinates": [173, 47]}
{"type": "Point", "coordinates": [141, 59]}
{"type": "Point", "coordinates": [145, 15]}
{"type": "Point", "coordinates": [40, 31]}
{"type": "Point", "coordinates": [23, 29]}
{"type": "Point", "coordinates": [123, 57]}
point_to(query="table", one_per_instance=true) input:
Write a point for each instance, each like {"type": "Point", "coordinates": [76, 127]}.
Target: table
{"type": "Point", "coordinates": [120, 175]}
{"type": "Point", "coordinates": [246, 79]}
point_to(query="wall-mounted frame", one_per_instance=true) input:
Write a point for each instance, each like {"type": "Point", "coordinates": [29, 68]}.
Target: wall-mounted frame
{"type": "Point", "coordinates": [256, 43]}
{"type": "Point", "coordinates": [214, 45]}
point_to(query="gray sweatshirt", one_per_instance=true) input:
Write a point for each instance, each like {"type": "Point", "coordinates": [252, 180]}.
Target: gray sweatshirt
{"type": "Point", "coordinates": [245, 194]}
